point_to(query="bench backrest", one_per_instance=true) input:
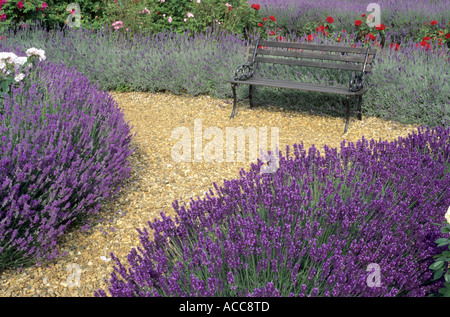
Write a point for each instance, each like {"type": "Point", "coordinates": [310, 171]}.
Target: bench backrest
{"type": "Point", "coordinates": [313, 55]}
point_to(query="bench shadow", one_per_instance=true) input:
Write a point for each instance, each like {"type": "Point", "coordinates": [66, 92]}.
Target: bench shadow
{"type": "Point", "coordinates": [273, 99]}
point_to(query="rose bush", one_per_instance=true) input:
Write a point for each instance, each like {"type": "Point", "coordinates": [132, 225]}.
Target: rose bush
{"type": "Point", "coordinates": [194, 15]}
{"type": "Point", "coordinates": [21, 12]}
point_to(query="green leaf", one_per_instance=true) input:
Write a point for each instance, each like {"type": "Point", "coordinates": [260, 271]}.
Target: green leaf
{"type": "Point", "coordinates": [437, 265]}
{"type": "Point", "coordinates": [445, 229]}
{"type": "Point", "coordinates": [447, 277]}
{"type": "Point", "coordinates": [441, 240]}
{"type": "Point", "coordinates": [438, 274]}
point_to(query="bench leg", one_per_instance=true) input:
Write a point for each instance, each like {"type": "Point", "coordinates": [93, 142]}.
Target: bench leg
{"type": "Point", "coordinates": [233, 87]}
{"type": "Point", "coordinates": [347, 114]}
{"type": "Point", "coordinates": [359, 108]}
{"type": "Point", "coordinates": [250, 95]}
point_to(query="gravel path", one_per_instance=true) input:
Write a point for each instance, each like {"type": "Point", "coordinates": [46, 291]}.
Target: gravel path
{"type": "Point", "coordinates": [157, 180]}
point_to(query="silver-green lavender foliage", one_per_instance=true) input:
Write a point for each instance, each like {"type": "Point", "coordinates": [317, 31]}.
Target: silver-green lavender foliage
{"type": "Point", "coordinates": [402, 18]}
{"type": "Point", "coordinates": [408, 86]}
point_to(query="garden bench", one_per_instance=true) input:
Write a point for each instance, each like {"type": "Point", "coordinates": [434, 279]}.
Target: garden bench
{"type": "Point", "coordinates": [354, 59]}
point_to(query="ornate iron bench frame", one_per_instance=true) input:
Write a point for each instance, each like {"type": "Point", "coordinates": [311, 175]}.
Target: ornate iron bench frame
{"type": "Point", "coordinates": [244, 73]}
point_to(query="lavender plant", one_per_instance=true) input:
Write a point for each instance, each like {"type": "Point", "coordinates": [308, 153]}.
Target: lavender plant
{"type": "Point", "coordinates": [403, 19]}
{"type": "Point", "coordinates": [310, 229]}
{"type": "Point", "coordinates": [202, 63]}
{"type": "Point", "coordinates": [64, 147]}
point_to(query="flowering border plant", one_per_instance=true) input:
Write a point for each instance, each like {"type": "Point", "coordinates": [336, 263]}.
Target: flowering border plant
{"type": "Point", "coordinates": [11, 67]}
{"type": "Point", "coordinates": [19, 11]}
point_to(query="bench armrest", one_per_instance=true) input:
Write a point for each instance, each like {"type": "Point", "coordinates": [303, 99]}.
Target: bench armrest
{"type": "Point", "coordinates": [246, 71]}
{"type": "Point", "coordinates": [357, 81]}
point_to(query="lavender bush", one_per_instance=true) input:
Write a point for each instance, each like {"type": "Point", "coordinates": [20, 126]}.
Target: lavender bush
{"type": "Point", "coordinates": [402, 18]}
{"type": "Point", "coordinates": [310, 229]}
{"type": "Point", "coordinates": [417, 91]}
{"type": "Point", "coordinates": [64, 145]}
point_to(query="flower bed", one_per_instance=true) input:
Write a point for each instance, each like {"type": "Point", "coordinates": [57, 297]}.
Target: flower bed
{"type": "Point", "coordinates": [64, 145]}
{"type": "Point", "coordinates": [311, 229]}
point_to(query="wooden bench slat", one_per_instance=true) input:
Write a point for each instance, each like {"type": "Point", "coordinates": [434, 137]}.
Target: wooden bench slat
{"type": "Point", "coordinates": [319, 56]}
{"type": "Point", "coordinates": [319, 47]}
{"type": "Point", "coordinates": [341, 90]}
{"type": "Point", "coordinates": [311, 64]}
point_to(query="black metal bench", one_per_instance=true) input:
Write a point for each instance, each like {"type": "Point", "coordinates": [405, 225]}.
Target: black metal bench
{"type": "Point", "coordinates": [309, 55]}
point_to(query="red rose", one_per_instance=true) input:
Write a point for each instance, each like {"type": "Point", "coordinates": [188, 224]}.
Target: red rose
{"type": "Point", "coordinates": [256, 6]}
{"type": "Point", "coordinates": [272, 18]}
{"type": "Point", "coordinates": [370, 36]}
{"type": "Point", "coordinates": [264, 19]}
{"type": "Point", "coordinates": [260, 24]}
{"type": "Point", "coordinates": [320, 29]}
{"type": "Point", "coordinates": [330, 20]}
{"type": "Point", "coordinates": [426, 38]}
{"type": "Point", "coordinates": [363, 15]}
{"type": "Point", "coordinates": [358, 22]}
{"type": "Point", "coordinates": [395, 46]}
{"type": "Point", "coordinates": [310, 37]}
{"type": "Point", "coordinates": [425, 44]}
{"type": "Point", "coordinates": [20, 5]}
{"type": "Point", "coordinates": [339, 40]}
{"type": "Point", "coordinates": [343, 31]}
{"type": "Point", "coordinates": [380, 27]}
{"type": "Point", "coordinates": [272, 32]}
{"type": "Point", "coordinates": [447, 36]}
{"type": "Point", "coordinates": [434, 22]}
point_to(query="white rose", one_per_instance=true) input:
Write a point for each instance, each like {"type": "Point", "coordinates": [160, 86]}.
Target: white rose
{"type": "Point", "coordinates": [20, 60]}
{"type": "Point", "coordinates": [8, 57]}
{"type": "Point", "coordinates": [41, 54]}
{"type": "Point", "coordinates": [32, 51]}
{"type": "Point", "coordinates": [37, 52]}
{"type": "Point", "coordinates": [19, 77]}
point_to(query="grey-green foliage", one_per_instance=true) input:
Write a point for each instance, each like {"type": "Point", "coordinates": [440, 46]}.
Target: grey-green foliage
{"type": "Point", "coordinates": [409, 86]}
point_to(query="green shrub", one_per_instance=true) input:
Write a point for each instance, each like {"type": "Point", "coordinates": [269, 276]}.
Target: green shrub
{"type": "Point", "coordinates": [53, 15]}
{"type": "Point", "coordinates": [157, 15]}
